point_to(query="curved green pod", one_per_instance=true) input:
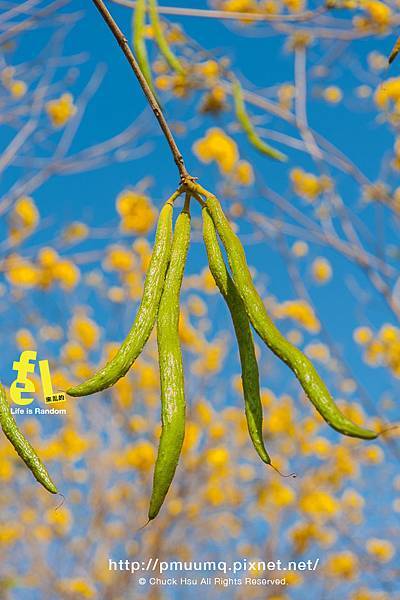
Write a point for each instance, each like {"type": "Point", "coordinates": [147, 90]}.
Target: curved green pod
{"type": "Point", "coordinates": [244, 336]}
{"type": "Point", "coordinates": [173, 403]}
{"type": "Point", "coordinates": [22, 446]}
{"type": "Point", "coordinates": [139, 44]}
{"type": "Point", "coordinates": [146, 314]}
{"type": "Point", "coordinates": [165, 49]}
{"type": "Point", "coordinates": [302, 367]}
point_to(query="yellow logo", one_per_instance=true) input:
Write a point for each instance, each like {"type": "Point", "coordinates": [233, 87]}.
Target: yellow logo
{"type": "Point", "coordinates": [23, 385]}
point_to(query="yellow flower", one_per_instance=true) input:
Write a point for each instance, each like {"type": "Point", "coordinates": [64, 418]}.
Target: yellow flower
{"type": "Point", "coordinates": [318, 503]}
{"type": "Point", "coordinates": [244, 173]}
{"type": "Point", "coordinates": [300, 249]}
{"type": "Point", "coordinates": [20, 272]}
{"type": "Point", "coordinates": [140, 456]}
{"type": "Point", "coordinates": [61, 110]}
{"type": "Point", "coordinates": [277, 493]}
{"type": "Point", "coordinates": [24, 217]}
{"type": "Point", "coordinates": [378, 16]}
{"type": "Point", "coordinates": [381, 550]}
{"type": "Point", "coordinates": [286, 94]}
{"type": "Point", "coordinates": [25, 340]}
{"type": "Point", "coordinates": [307, 185]}
{"type": "Point", "coordinates": [362, 335]}
{"type": "Point", "coordinates": [18, 88]}
{"type": "Point", "coordinates": [209, 69]}
{"type": "Point", "coordinates": [300, 311]}
{"type": "Point", "coordinates": [10, 533]}
{"type": "Point", "coordinates": [332, 94]}
{"type": "Point", "coordinates": [373, 454]}
{"type": "Point", "coordinates": [137, 212]}
{"type": "Point", "coordinates": [119, 258]}
{"type": "Point", "coordinates": [217, 457]}
{"type": "Point", "coordinates": [75, 232]}
{"type": "Point", "coordinates": [343, 565]}
{"type": "Point", "coordinates": [352, 500]}
{"type": "Point", "coordinates": [78, 587]}
{"type": "Point", "coordinates": [219, 147]}
{"type": "Point", "coordinates": [85, 331]}
{"type": "Point", "coordinates": [66, 273]}
{"type": "Point", "coordinates": [321, 270]}
{"type": "Point", "coordinates": [60, 520]}
{"type": "Point", "coordinates": [387, 94]}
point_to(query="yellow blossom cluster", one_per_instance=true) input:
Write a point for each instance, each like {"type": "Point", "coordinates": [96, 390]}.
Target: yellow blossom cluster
{"type": "Point", "coordinates": [61, 110]}
{"type": "Point", "coordinates": [301, 312]}
{"type": "Point", "coordinates": [16, 87]}
{"type": "Point", "coordinates": [332, 94]}
{"type": "Point", "coordinates": [382, 348]}
{"type": "Point", "coordinates": [321, 270]}
{"type": "Point", "coordinates": [217, 146]}
{"type": "Point", "coordinates": [48, 269]}
{"type": "Point", "coordinates": [24, 219]}
{"type": "Point", "coordinates": [309, 186]}
{"type": "Point", "coordinates": [387, 95]}
{"type": "Point", "coordinates": [378, 16]}
{"type": "Point", "coordinates": [136, 211]}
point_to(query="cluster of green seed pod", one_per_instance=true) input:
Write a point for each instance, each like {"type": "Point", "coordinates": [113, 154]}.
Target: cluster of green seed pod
{"type": "Point", "coordinates": [160, 304]}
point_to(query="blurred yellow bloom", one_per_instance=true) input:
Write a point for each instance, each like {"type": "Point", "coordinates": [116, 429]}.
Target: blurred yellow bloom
{"type": "Point", "coordinates": [18, 88]}
{"type": "Point", "coordinates": [381, 550]}
{"type": "Point", "coordinates": [332, 94]}
{"type": "Point", "coordinates": [20, 272]}
{"type": "Point", "coordinates": [318, 503]}
{"type": "Point", "coordinates": [373, 454]}
{"type": "Point", "coordinates": [321, 270]}
{"type": "Point", "coordinates": [75, 232]}
{"type": "Point", "coordinates": [217, 457]}
{"type": "Point", "coordinates": [137, 212]}
{"type": "Point", "coordinates": [61, 110]}
{"type": "Point", "coordinates": [362, 335]}
{"type": "Point", "coordinates": [301, 312]}
{"type": "Point", "coordinates": [141, 455]}
{"type": "Point", "coordinates": [84, 330]}
{"type": "Point", "coordinates": [10, 533]}
{"type": "Point", "coordinates": [343, 565]}
{"type": "Point", "coordinates": [307, 185]}
{"type": "Point", "coordinates": [192, 436]}
{"type": "Point", "coordinates": [286, 94]}
{"type": "Point", "coordinates": [379, 15]}
{"type": "Point", "coordinates": [276, 493]}
{"type": "Point", "coordinates": [300, 249]}
{"type": "Point", "coordinates": [387, 94]}
{"type": "Point", "coordinates": [209, 69]}
{"type": "Point", "coordinates": [25, 340]}
{"type": "Point", "coordinates": [24, 218]}
{"type": "Point", "coordinates": [119, 258]}
{"type": "Point", "coordinates": [352, 500]}
{"type": "Point", "coordinates": [243, 173]}
{"type": "Point", "coordinates": [60, 520]}
{"type": "Point", "coordinates": [219, 147]}
{"type": "Point", "coordinates": [80, 588]}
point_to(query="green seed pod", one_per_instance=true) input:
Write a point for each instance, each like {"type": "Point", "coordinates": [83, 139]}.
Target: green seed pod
{"type": "Point", "coordinates": [245, 122]}
{"type": "Point", "coordinates": [22, 446]}
{"type": "Point", "coordinates": [146, 314]}
{"type": "Point", "coordinates": [139, 44]}
{"type": "Point", "coordinates": [161, 40]}
{"type": "Point", "coordinates": [244, 336]}
{"type": "Point", "coordinates": [171, 368]}
{"type": "Point", "coordinates": [302, 367]}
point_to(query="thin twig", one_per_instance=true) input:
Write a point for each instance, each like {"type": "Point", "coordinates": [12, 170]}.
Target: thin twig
{"type": "Point", "coordinates": [123, 43]}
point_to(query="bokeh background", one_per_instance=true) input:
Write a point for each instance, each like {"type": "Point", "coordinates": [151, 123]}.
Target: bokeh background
{"type": "Point", "coordinates": [84, 171]}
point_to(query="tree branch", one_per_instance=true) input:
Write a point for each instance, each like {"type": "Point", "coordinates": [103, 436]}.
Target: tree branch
{"type": "Point", "coordinates": [151, 99]}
